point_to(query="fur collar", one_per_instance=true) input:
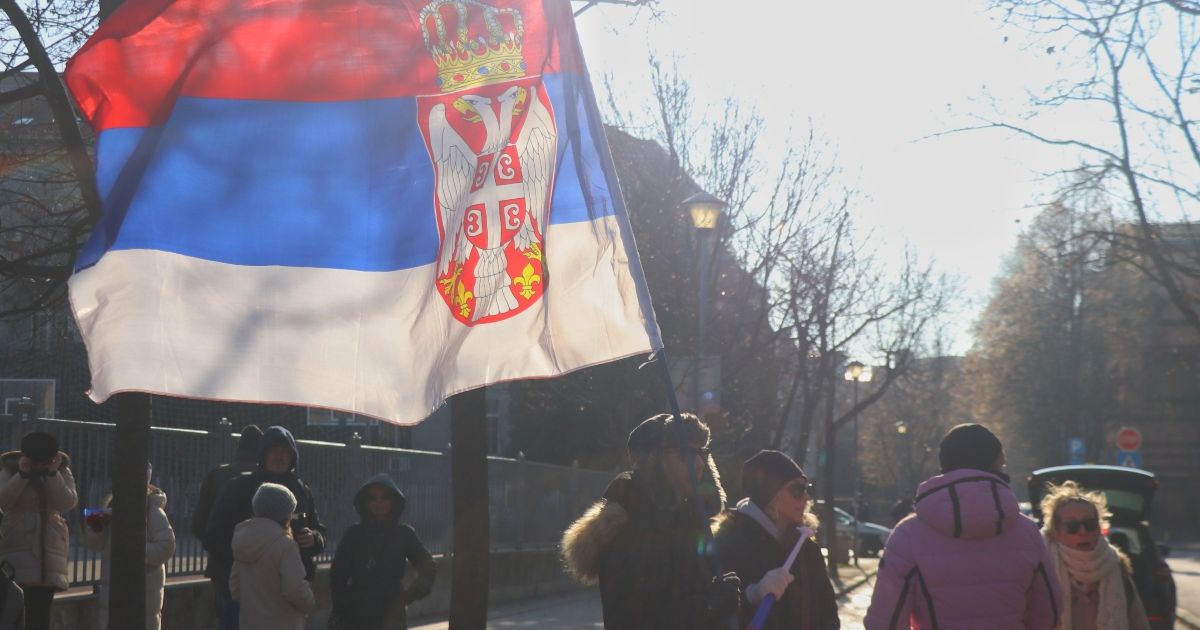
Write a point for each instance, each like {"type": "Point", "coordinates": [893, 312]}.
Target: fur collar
{"type": "Point", "coordinates": [587, 536]}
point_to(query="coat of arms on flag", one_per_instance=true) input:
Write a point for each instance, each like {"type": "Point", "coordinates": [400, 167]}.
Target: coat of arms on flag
{"type": "Point", "coordinates": [357, 205]}
{"type": "Point", "coordinates": [492, 138]}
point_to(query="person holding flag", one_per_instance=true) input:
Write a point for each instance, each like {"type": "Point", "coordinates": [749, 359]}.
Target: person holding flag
{"type": "Point", "coordinates": [639, 542]}
{"type": "Point", "coordinates": [754, 540]}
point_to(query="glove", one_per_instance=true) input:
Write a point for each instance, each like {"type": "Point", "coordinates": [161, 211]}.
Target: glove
{"type": "Point", "coordinates": [775, 582]}
{"type": "Point", "coordinates": [724, 595]}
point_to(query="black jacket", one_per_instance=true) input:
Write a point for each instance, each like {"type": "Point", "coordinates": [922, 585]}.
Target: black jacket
{"type": "Point", "coordinates": [233, 507]}
{"type": "Point", "coordinates": [749, 550]}
{"type": "Point", "coordinates": [651, 562]}
{"type": "Point", "coordinates": [367, 577]}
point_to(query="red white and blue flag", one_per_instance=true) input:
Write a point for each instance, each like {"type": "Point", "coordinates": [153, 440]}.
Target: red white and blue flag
{"type": "Point", "coordinates": [363, 205]}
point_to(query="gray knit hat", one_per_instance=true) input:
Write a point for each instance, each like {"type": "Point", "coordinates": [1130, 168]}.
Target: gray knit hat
{"type": "Point", "coordinates": [275, 502]}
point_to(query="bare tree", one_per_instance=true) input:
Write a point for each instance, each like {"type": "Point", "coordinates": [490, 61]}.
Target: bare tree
{"type": "Point", "coordinates": [48, 192]}
{"type": "Point", "coordinates": [1130, 64]}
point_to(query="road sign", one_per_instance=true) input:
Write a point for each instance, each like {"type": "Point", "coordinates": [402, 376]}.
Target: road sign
{"type": "Point", "coordinates": [1075, 451]}
{"type": "Point", "coordinates": [1129, 439]}
{"type": "Point", "coordinates": [1129, 459]}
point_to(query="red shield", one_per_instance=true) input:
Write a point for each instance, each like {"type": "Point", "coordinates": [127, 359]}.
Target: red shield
{"type": "Point", "coordinates": [489, 214]}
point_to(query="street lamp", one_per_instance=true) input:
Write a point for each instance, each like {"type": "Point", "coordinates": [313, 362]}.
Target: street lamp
{"type": "Point", "coordinates": [902, 478]}
{"type": "Point", "coordinates": [857, 372]}
{"type": "Point", "coordinates": [705, 212]}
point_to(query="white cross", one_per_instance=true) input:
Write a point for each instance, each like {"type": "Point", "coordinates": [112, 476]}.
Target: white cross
{"type": "Point", "coordinates": [492, 195]}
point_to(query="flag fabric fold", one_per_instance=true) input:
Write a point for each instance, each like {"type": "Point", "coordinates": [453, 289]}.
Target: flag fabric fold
{"type": "Point", "coordinates": [360, 205]}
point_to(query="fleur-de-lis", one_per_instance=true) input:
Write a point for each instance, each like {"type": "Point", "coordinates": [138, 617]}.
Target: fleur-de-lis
{"type": "Point", "coordinates": [463, 300]}
{"type": "Point", "coordinates": [526, 280]}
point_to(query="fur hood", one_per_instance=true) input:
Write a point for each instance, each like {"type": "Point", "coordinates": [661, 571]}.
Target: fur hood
{"type": "Point", "coordinates": [628, 494]}
{"type": "Point", "coordinates": [11, 461]}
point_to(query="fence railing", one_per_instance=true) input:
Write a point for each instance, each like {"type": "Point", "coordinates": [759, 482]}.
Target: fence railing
{"type": "Point", "coordinates": [530, 503]}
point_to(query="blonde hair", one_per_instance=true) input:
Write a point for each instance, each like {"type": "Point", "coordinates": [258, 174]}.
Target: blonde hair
{"type": "Point", "coordinates": [1071, 492]}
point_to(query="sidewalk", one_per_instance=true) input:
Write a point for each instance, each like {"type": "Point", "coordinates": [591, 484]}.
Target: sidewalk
{"type": "Point", "coordinates": [580, 610]}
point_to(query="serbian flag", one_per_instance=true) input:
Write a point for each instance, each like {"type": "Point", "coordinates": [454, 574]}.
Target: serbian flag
{"type": "Point", "coordinates": [362, 205]}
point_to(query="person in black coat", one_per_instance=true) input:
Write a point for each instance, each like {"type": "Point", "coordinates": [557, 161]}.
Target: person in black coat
{"type": "Point", "coordinates": [754, 541]}
{"type": "Point", "coordinates": [367, 577]}
{"type": "Point", "coordinates": [277, 459]}
{"type": "Point", "coordinates": [644, 541]}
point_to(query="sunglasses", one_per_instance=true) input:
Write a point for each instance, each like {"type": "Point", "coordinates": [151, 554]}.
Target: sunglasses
{"type": "Point", "coordinates": [801, 490]}
{"type": "Point", "coordinates": [1088, 524]}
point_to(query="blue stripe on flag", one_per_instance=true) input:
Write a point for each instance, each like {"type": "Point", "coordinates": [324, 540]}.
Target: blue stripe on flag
{"type": "Point", "coordinates": [341, 185]}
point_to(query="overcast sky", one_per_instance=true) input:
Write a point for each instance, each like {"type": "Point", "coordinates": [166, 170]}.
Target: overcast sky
{"type": "Point", "coordinates": [875, 78]}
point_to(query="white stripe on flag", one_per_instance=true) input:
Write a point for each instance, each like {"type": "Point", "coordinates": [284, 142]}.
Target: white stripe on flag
{"type": "Point", "coordinates": [382, 344]}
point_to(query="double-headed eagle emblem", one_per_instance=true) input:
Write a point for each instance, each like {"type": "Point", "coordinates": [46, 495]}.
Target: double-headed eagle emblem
{"type": "Point", "coordinates": [493, 141]}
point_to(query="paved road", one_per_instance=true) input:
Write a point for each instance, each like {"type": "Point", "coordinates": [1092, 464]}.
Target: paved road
{"type": "Point", "coordinates": [581, 610]}
{"type": "Point", "coordinates": [1185, 564]}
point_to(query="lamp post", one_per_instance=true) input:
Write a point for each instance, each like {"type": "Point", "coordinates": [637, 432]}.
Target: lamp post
{"type": "Point", "coordinates": [857, 372]}
{"type": "Point", "coordinates": [902, 478]}
{"type": "Point", "coordinates": [705, 212]}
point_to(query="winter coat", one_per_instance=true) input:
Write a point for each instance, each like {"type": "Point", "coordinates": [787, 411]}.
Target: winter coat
{"type": "Point", "coordinates": [748, 549]}
{"type": "Point", "coordinates": [967, 559]}
{"type": "Point", "coordinates": [33, 534]}
{"type": "Point", "coordinates": [160, 546]}
{"type": "Point", "coordinates": [367, 576]}
{"type": "Point", "coordinates": [211, 488]}
{"type": "Point", "coordinates": [267, 578]}
{"type": "Point", "coordinates": [233, 507]}
{"type": "Point", "coordinates": [644, 557]}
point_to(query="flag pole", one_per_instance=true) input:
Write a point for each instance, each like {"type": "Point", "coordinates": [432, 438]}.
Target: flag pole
{"type": "Point", "coordinates": [710, 545]}
{"type": "Point", "coordinates": [127, 531]}
{"type": "Point", "coordinates": [470, 563]}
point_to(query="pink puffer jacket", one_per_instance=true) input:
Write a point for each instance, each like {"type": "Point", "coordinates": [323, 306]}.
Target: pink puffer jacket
{"type": "Point", "coordinates": [967, 560]}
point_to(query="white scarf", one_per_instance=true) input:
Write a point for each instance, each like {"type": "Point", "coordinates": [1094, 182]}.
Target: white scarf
{"type": "Point", "coordinates": [1101, 565]}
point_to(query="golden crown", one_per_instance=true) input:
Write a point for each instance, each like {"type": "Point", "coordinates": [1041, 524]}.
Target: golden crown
{"type": "Point", "coordinates": [485, 47]}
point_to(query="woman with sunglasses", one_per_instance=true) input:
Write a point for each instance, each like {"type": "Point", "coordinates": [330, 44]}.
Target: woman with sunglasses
{"type": "Point", "coordinates": [755, 538]}
{"type": "Point", "coordinates": [1095, 576]}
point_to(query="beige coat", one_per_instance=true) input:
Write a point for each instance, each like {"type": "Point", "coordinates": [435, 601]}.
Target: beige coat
{"type": "Point", "coordinates": [160, 546]}
{"type": "Point", "coordinates": [33, 534]}
{"type": "Point", "coordinates": [268, 577]}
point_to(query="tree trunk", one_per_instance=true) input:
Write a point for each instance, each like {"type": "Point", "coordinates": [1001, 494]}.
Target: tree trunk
{"type": "Point", "coordinates": [127, 595]}
{"type": "Point", "coordinates": [469, 489]}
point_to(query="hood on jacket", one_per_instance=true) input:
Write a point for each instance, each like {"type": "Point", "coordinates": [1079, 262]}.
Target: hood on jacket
{"type": "Point", "coordinates": [627, 494]}
{"type": "Point", "coordinates": [253, 537]}
{"type": "Point", "coordinates": [273, 436]}
{"type": "Point", "coordinates": [11, 461]}
{"type": "Point", "coordinates": [967, 503]}
{"type": "Point", "coordinates": [385, 482]}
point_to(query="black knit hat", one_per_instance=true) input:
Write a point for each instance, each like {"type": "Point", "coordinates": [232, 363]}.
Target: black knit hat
{"type": "Point", "coordinates": [971, 446]}
{"type": "Point", "coordinates": [764, 474]}
{"type": "Point", "coordinates": [248, 442]}
{"type": "Point", "coordinates": [39, 446]}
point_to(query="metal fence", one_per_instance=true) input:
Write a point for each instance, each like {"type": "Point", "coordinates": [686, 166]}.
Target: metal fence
{"type": "Point", "coordinates": [530, 503]}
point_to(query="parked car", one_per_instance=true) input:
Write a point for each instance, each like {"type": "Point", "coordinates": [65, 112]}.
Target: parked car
{"type": "Point", "coordinates": [1130, 494]}
{"type": "Point", "coordinates": [871, 536]}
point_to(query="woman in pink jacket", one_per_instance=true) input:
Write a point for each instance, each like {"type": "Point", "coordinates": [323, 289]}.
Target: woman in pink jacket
{"type": "Point", "coordinates": [967, 559]}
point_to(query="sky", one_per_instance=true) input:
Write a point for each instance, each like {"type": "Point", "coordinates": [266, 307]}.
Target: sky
{"type": "Point", "coordinates": [882, 81]}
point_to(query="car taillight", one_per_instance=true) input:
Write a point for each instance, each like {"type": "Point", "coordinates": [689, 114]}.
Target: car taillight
{"type": "Point", "coordinates": [1163, 572]}
{"type": "Point", "coordinates": [1155, 618]}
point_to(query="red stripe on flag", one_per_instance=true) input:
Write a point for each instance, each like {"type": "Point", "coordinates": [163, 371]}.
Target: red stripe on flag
{"type": "Point", "coordinates": [150, 52]}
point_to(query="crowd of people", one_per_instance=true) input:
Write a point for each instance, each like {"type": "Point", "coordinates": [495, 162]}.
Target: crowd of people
{"type": "Point", "coordinates": [663, 545]}
{"type": "Point", "coordinates": [259, 525]}
{"type": "Point", "coordinates": [962, 556]}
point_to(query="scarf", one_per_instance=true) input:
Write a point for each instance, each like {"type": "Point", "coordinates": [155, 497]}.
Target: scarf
{"type": "Point", "coordinates": [1101, 565]}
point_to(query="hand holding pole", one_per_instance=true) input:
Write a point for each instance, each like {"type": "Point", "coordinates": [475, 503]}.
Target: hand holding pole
{"type": "Point", "coordinates": [764, 607]}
